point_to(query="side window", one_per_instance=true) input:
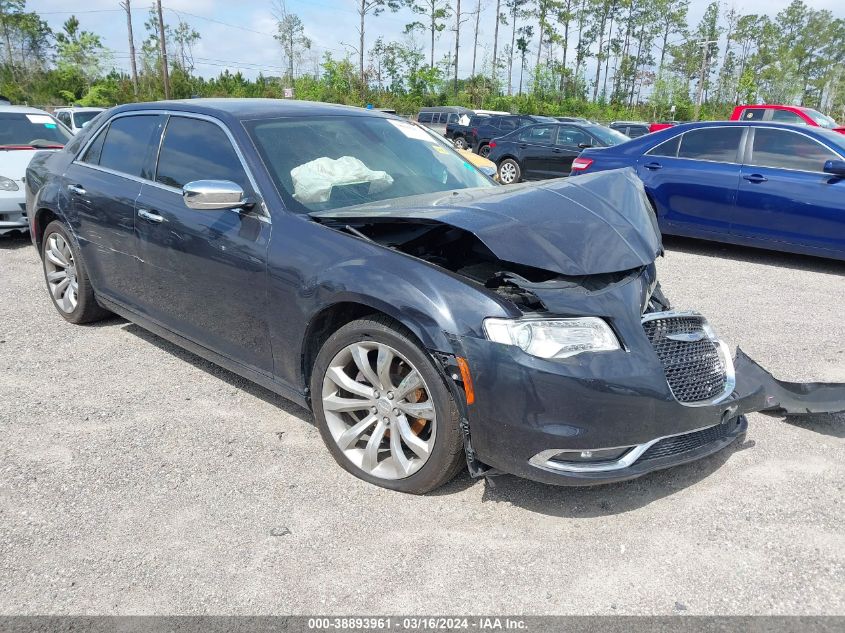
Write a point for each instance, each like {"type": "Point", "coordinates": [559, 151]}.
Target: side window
{"type": "Point", "coordinates": [788, 150]}
{"type": "Point", "coordinates": [453, 118]}
{"type": "Point", "coordinates": [126, 144]}
{"type": "Point", "coordinates": [507, 125]}
{"type": "Point", "coordinates": [753, 114]}
{"type": "Point", "coordinates": [424, 117]}
{"type": "Point", "coordinates": [64, 117]}
{"type": "Point", "coordinates": [92, 155]}
{"type": "Point", "coordinates": [711, 143]}
{"type": "Point", "coordinates": [666, 148]}
{"type": "Point", "coordinates": [541, 134]}
{"type": "Point", "coordinates": [194, 149]}
{"type": "Point", "coordinates": [785, 116]}
{"type": "Point", "coordinates": [571, 136]}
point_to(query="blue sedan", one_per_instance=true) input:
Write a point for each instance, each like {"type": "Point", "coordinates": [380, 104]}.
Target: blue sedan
{"type": "Point", "coordinates": [767, 185]}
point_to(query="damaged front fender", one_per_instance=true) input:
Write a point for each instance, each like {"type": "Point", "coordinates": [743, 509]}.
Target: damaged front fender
{"type": "Point", "coordinates": [759, 391]}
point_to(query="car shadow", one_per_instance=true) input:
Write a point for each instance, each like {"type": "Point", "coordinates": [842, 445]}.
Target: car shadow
{"type": "Point", "coordinates": [606, 499]}
{"type": "Point", "coordinates": [832, 424]}
{"type": "Point", "coordinates": [14, 241]}
{"type": "Point", "coordinates": [225, 375]}
{"type": "Point", "coordinates": [753, 255]}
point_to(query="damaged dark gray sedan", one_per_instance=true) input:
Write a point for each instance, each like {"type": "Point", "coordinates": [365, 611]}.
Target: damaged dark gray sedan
{"type": "Point", "coordinates": [431, 319]}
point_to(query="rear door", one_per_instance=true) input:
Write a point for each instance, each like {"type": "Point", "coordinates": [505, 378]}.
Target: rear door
{"type": "Point", "coordinates": [785, 195]}
{"type": "Point", "coordinates": [101, 187]}
{"type": "Point", "coordinates": [693, 180]}
{"type": "Point", "coordinates": [205, 271]}
{"type": "Point", "coordinates": [571, 141]}
{"type": "Point", "coordinates": [535, 146]}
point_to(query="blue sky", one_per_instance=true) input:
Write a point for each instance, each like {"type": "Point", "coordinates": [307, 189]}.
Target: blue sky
{"type": "Point", "coordinates": [245, 41]}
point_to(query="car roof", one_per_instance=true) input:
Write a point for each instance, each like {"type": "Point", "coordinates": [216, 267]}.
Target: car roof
{"type": "Point", "coordinates": [21, 109]}
{"type": "Point", "coordinates": [247, 109]}
{"type": "Point", "coordinates": [80, 109]}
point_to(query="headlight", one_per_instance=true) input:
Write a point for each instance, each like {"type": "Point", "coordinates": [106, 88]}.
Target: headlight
{"type": "Point", "coordinates": [7, 184]}
{"type": "Point", "coordinates": [553, 338]}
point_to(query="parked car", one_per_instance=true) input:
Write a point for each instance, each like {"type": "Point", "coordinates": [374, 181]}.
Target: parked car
{"type": "Point", "coordinates": [496, 126]}
{"type": "Point", "coordinates": [77, 118]}
{"type": "Point", "coordinates": [546, 150]}
{"type": "Point", "coordinates": [572, 119]}
{"type": "Point", "coordinates": [485, 166]}
{"type": "Point", "coordinates": [663, 125]}
{"type": "Point", "coordinates": [462, 134]}
{"type": "Point", "coordinates": [631, 129]}
{"type": "Point", "coordinates": [438, 117]}
{"type": "Point", "coordinates": [23, 132]}
{"type": "Point", "coordinates": [431, 319]}
{"type": "Point", "coordinates": [768, 185]}
{"type": "Point", "coordinates": [797, 115]}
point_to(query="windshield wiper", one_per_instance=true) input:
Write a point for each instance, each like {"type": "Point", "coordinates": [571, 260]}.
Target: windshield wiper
{"type": "Point", "coordinates": [31, 146]}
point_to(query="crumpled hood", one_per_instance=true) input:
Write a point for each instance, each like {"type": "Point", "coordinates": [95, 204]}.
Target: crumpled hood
{"type": "Point", "coordinates": [594, 224]}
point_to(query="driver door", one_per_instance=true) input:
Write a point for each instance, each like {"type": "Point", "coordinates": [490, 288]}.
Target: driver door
{"type": "Point", "coordinates": [205, 270]}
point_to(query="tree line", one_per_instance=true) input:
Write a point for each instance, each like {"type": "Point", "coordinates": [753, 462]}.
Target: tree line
{"type": "Point", "coordinates": [599, 58]}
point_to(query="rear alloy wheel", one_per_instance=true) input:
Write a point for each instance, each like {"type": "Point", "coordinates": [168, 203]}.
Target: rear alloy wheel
{"type": "Point", "coordinates": [484, 151]}
{"type": "Point", "coordinates": [67, 278]}
{"type": "Point", "coordinates": [460, 142]}
{"type": "Point", "coordinates": [509, 172]}
{"type": "Point", "coordinates": [383, 409]}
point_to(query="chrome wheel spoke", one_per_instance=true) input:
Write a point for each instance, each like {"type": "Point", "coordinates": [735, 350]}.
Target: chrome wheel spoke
{"type": "Point", "coordinates": [414, 442]}
{"type": "Point", "coordinates": [57, 275]}
{"type": "Point", "coordinates": [59, 288]}
{"type": "Point", "coordinates": [342, 380]}
{"type": "Point", "coordinates": [424, 410]}
{"type": "Point", "coordinates": [373, 444]}
{"type": "Point", "coordinates": [409, 383]}
{"type": "Point", "coordinates": [354, 433]}
{"type": "Point", "coordinates": [403, 464]}
{"type": "Point", "coordinates": [55, 255]}
{"type": "Point", "coordinates": [383, 362]}
{"type": "Point", "coordinates": [339, 404]}
{"type": "Point", "coordinates": [360, 354]}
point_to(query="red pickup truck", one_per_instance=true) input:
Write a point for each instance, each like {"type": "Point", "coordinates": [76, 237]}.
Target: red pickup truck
{"type": "Point", "coordinates": [798, 115]}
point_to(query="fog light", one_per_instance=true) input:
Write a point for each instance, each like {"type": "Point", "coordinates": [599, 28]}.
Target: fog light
{"type": "Point", "coordinates": [598, 455]}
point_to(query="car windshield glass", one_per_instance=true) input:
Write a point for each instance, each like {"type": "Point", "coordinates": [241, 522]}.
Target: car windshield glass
{"type": "Point", "coordinates": [607, 136]}
{"type": "Point", "coordinates": [822, 120]}
{"type": "Point", "coordinates": [326, 163]}
{"type": "Point", "coordinates": [31, 130]}
{"type": "Point", "coordinates": [81, 118]}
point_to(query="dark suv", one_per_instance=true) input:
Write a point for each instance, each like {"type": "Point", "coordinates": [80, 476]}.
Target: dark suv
{"type": "Point", "coordinates": [431, 319]}
{"type": "Point", "coordinates": [496, 126]}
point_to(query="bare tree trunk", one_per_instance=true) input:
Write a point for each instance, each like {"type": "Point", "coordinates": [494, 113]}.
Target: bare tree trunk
{"type": "Point", "coordinates": [495, 40]}
{"type": "Point", "coordinates": [607, 56]}
{"type": "Point", "coordinates": [361, 11]}
{"type": "Point", "coordinates": [475, 41]}
{"type": "Point", "coordinates": [165, 72]}
{"type": "Point", "coordinates": [510, 59]}
{"type": "Point", "coordinates": [457, 41]}
{"type": "Point", "coordinates": [598, 59]}
{"type": "Point", "coordinates": [433, 29]}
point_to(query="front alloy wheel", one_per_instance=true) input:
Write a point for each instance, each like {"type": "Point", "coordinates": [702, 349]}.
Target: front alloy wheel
{"type": "Point", "coordinates": [378, 410]}
{"type": "Point", "coordinates": [509, 172]}
{"type": "Point", "coordinates": [384, 409]}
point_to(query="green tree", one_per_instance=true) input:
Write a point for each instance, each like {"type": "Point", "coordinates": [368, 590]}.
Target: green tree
{"type": "Point", "coordinates": [79, 51]}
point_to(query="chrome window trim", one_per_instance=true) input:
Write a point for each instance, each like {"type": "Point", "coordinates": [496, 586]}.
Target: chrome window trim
{"type": "Point", "coordinates": [750, 150]}
{"type": "Point", "coordinates": [264, 215]}
{"type": "Point", "coordinates": [544, 460]}
{"type": "Point", "coordinates": [722, 349]}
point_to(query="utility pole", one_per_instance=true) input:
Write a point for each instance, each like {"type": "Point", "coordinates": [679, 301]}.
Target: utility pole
{"type": "Point", "coordinates": [705, 56]}
{"type": "Point", "coordinates": [126, 6]}
{"type": "Point", "coordinates": [165, 73]}
{"type": "Point", "coordinates": [457, 42]}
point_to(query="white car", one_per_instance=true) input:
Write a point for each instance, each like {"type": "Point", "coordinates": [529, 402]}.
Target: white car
{"type": "Point", "coordinates": [77, 118]}
{"type": "Point", "coordinates": [23, 132]}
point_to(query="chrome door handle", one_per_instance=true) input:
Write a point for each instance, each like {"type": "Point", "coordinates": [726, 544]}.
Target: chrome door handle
{"type": "Point", "coordinates": [150, 216]}
{"type": "Point", "coordinates": [653, 166]}
{"type": "Point", "coordinates": [77, 190]}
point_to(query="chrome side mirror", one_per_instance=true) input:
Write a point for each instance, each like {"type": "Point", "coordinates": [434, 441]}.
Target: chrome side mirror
{"type": "Point", "coordinates": [207, 195]}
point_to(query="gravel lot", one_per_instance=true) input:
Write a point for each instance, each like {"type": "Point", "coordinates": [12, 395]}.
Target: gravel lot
{"type": "Point", "coordinates": [137, 478]}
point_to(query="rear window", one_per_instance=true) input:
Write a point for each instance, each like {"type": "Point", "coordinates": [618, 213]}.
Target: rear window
{"type": "Point", "coordinates": [666, 148]}
{"type": "Point", "coordinates": [753, 114]}
{"type": "Point", "coordinates": [125, 145]}
{"type": "Point", "coordinates": [716, 144]}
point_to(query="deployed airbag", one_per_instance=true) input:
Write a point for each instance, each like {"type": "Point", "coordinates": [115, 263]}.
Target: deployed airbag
{"type": "Point", "coordinates": [313, 181]}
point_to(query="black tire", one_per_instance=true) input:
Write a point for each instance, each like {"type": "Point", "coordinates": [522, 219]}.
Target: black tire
{"type": "Point", "coordinates": [460, 142]}
{"type": "Point", "coordinates": [510, 172]}
{"type": "Point", "coordinates": [87, 309]}
{"type": "Point", "coordinates": [447, 456]}
{"type": "Point", "coordinates": [484, 150]}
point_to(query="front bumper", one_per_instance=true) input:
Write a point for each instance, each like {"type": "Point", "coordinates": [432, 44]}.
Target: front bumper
{"type": "Point", "coordinates": [527, 409]}
{"type": "Point", "coordinates": [13, 212]}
